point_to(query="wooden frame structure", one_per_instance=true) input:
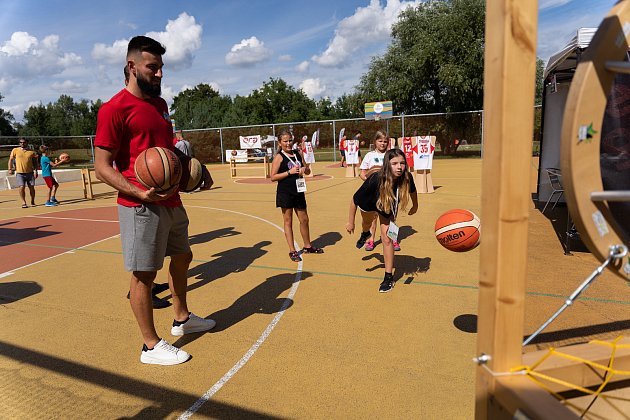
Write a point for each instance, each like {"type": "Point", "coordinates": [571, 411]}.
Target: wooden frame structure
{"type": "Point", "coordinates": [88, 178]}
{"type": "Point", "coordinates": [580, 148]}
{"type": "Point", "coordinates": [509, 75]}
{"type": "Point", "coordinates": [265, 167]}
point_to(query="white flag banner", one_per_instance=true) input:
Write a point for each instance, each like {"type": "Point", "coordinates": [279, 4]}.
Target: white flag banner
{"type": "Point", "coordinates": [423, 152]}
{"type": "Point", "coordinates": [309, 154]}
{"type": "Point", "coordinates": [352, 152]}
{"type": "Point", "coordinates": [250, 142]}
{"type": "Point", "coordinates": [238, 155]}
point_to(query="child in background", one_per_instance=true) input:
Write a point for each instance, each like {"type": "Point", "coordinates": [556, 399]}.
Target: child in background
{"type": "Point", "coordinates": [288, 170]}
{"type": "Point", "coordinates": [381, 194]}
{"type": "Point", "coordinates": [46, 165]}
{"type": "Point", "coordinates": [372, 162]}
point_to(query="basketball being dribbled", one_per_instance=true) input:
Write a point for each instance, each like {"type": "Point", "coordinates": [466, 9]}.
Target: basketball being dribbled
{"type": "Point", "coordinates": [158, 168]}
{"type": "Point", "coordinates": [191, 180]}
{"type": "Point", "coordinates": [64, 157]}
{"type": "Point", "coordinates": [458, 230]}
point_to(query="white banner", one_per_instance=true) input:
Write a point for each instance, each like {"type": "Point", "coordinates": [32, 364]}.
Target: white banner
{"type": "Point", "coordinates": [352, 152]}
{"type": "Point", "coordinates": [309, 155]}
{"type": "Point", "coordinates": [238, 155]}
{"type": "Point", "coordinates": [423, 152]}
{"type": "Point", "coordinates": [250, 142]}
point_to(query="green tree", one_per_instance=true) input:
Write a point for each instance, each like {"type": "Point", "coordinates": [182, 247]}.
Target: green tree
{"type": "Point", "coordinates": [540, 83]}
{"type": "Point", "coordinates": [349, 106]}
{"type": "Point", "coordinates": [35, 121]}
{"type": "Point", "coordinates": [435, 61]}
{"type": "Point", "coordinates": [200, 107]}
{"type": "Point", "coordinates": [277, 102]}
{"type": "Point", "coordinates": [6, 122]}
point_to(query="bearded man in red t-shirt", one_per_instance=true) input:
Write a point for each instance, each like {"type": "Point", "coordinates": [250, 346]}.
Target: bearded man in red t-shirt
{"type": "Point", "coordinates": [152, 225]}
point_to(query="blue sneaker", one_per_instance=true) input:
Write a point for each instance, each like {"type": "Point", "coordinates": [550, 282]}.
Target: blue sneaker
{"type": "Point", "coordinates": [49, 204]}
{"type": "Point", "coordinates": [54, 200]}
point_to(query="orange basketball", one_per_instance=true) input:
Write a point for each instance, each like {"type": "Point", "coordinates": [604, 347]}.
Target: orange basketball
{"type": "Point", "coordinates": [64, 157]}
{"type": "Point", "coordinates": [192, 177]}
{"type": "Point", "coordinates": [458, 230]}
{"type": "Point", "coordinates": [158, 168]}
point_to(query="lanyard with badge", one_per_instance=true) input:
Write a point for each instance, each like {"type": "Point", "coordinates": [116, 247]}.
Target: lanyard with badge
{"type": "Point", "coordinates": [300, 183]}
{"type": "Point", "coordinates": [392, 230]}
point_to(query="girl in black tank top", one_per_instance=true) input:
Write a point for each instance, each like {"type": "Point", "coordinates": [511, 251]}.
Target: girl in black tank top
{"type": "Point", "coordinates": [287, 169]}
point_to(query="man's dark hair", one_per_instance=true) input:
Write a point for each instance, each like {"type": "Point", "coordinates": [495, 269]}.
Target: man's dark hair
{"type": "Point", "coordinates": [142, 43]}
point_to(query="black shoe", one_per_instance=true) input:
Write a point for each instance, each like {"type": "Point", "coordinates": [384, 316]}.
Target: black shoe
{"type": "Point", "coordinates": [386, 285]}
{"type": "Point", "coordinates": [159, 288]}
{"type": "Point", "coordinates": [364, 237]}
{"type": "Point", "coordinates": [160, 303]}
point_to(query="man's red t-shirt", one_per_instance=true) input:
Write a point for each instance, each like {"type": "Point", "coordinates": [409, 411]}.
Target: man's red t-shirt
{"type": "Point", "coordinates": [131, 125]}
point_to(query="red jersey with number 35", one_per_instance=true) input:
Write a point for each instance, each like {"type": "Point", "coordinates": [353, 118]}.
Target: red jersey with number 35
{"type": "Point", "coordinates": [130, 125]}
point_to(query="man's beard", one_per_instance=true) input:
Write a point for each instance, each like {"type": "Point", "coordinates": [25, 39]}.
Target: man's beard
{"type": "Point", "coordinates": [148, 88]}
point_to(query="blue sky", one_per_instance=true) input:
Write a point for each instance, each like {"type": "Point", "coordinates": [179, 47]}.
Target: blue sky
{"type": "Point", "coordinates": [77, 48]}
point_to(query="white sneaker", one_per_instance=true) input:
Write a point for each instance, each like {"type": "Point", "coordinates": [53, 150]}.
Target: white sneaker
{"type": "Point", "coordinates": [193, 325]}
{"type": "Point", "coordinates": [163, 354]}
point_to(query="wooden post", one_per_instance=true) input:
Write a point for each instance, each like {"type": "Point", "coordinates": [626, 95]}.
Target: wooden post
{"type": "Point", "coordinates": [351, 171]}
{"type": "Point", "coordinates": [509, 74]}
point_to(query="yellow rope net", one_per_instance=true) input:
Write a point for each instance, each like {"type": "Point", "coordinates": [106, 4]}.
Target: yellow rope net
{"type": "Point", "coordinates": [608, 372]}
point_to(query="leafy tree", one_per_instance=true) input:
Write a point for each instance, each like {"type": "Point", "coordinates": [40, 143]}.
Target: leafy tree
{"type": "Point", "coordinates": [540, 83]}
{"type": "Point", "coordinates": [277, 102]}
{"type": "Point", "coordinates": [435, 61]}
{"type": "Point", "coordinates": [35, 121]}
{"type": "Point", "coordinates": [6, 122]}
{"type": "Point", "coordinates": [349, 106]}
{"type": "Point", "coordinates": [199, 107]}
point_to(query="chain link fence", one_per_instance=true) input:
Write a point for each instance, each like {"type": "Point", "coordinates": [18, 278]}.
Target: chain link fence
{"type": "Point", "coordinates": [458, 134]}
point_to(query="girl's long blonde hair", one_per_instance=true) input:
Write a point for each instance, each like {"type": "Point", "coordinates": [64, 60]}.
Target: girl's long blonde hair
{"type": "Point", "coordinates": [387, 184]}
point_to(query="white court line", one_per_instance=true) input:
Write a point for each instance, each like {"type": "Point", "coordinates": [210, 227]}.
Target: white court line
{"type": "Point", "coordinates": [72, 218]}
{"type": "Point", "coordinates": [248, 355]}
{"type": "Point", "coordinates": [70, 251]}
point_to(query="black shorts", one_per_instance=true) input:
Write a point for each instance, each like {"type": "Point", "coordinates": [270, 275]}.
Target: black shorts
{"type": "Point", "coordinates": [291, 201]}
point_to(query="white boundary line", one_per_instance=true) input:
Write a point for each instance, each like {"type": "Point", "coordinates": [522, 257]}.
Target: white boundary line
{"type": "Point", "coordinates": [70, 251]}
{"type": "Point", "coordinates": [230, 373]}
{"type": "Point", "coordinates": [72, 219]}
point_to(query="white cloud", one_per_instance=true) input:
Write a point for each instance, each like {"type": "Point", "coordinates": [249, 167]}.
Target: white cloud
{"type": "Point", "coordinates": [285, 57]}
{"type": "Point", "coordinates": [302, 67]}
{"type": "Point", "coordinates": [181, 39]}
{"type": "Point", "coordinates": [19, 44]}
{"type": "Point", "coordinates": [549, 4]}
{"type": "Point", "coordinates": [248, 53]}
{"type": "Point", "coordinates": [23, 57]}
{"type": "Point", "coordinates": [68, 86]}
{"type": "Point", "coordinates": [368, 25]}
{"type": "Point", "coordinates": [114, 54]}
{"type": "Point", "coordinates": [312, 87]}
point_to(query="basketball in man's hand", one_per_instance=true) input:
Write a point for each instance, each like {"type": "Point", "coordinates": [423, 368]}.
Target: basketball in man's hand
{"type": "Point", "coordinates": [158, 168]}
{"type": "Point", "coordinates": [64, 157]}
{"type": "Point", "coordinates": [192, 177]}
{"type": "Point", "coordinates": [458, 230]}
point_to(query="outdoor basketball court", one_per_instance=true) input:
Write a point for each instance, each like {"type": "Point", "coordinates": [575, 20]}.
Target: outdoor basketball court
{"type": "Point", "coordinates": [307, 340]}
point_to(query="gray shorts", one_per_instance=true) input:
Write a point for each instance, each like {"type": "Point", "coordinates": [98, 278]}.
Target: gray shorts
{"type": "Point", "coordinates": [24, 179]}
{"type": "Point", "coordinates": [151, 232]}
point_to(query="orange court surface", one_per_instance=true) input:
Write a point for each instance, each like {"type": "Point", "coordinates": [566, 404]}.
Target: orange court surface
{"type": "Point", "coordinates": [293, 340]}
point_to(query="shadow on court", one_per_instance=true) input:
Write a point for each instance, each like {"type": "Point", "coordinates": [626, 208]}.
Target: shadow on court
{"type": "Point", "coordinates": [10, 236]}
{"type": "Point", "coordinates": [166, 401]}
{"type": "Point", "coordinates": [15, 290]}
{"type": "Point", "coordinates": [214, 234]}
{"type": "Point", "coordinates": [327, 239]}
{"type": "Point", "coordinates": [404, 265]}
{"type": "Point", "coordinates": [231, 261]}
{"type": "Point", "coordinates": [262, 299]}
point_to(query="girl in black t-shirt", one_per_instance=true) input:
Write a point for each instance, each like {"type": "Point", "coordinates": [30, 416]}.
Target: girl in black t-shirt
{"type": "Point", "coordinates": [287, 169]}
{"type": "Point", "coordinates": [383, 193]}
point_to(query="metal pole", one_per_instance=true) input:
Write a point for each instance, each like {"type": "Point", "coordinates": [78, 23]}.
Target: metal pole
{"type": "Point", "coordinates": [92, 147]}
{"type": "Point", "coordinates": [402, 119]}
{"type": "Point", "coordinates": [273, 129]}
{"type": "Point", "coordinates": [334, 142]}
{"type": "Point", "coordinates": [222, 152]}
